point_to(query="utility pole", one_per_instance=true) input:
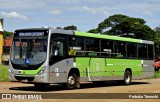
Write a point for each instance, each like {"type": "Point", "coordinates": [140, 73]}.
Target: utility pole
{"type": "Point", "coordinates": [1, 40]}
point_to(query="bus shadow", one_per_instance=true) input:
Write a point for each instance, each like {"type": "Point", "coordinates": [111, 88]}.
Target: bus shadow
{"type": "Point", "coordinates": [57, 87]}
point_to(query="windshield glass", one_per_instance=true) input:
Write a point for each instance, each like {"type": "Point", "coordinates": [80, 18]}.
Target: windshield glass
{"type": "Point", "coordinates": [31, 51]}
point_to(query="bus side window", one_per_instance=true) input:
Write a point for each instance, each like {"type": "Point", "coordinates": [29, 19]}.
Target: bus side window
{"type": "Point", "coordinates": [150, 52]}
{"type": "Point", "coordinates": [120, 49]}
{"type": "Point", "coordinates": [131, 50]}
{"type": "Point", "coordinates": [142, 51]}
{"type": "Point", "coordinates": [106, 48]}
{"type": "Point", "coordinates": [76, 46]}
{"type": "Point", "coordinates": [92, 47]}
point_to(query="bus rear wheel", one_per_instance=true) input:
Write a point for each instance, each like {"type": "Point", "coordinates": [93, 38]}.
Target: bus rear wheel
{"type": "Point", "coordinates": [127, 77]}
{"type": "Point", "coordinates": [73, 81]}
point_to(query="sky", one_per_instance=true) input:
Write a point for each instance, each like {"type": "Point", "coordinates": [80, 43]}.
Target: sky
{"type": "Point", "coordinates": [85, 14]}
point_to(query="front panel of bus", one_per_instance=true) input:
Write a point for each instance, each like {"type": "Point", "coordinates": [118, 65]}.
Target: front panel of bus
{"type": "Point", "coordinates": [28, 58]}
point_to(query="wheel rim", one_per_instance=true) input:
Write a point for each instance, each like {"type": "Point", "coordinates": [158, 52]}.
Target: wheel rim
{"type": "Point", "coordinates": [71, 80]}
{"type": "Point", "coordinates": [127, 78]}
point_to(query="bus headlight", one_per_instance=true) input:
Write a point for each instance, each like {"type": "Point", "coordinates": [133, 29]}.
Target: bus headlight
{"type": "Point", "coordinates": [42, 70]}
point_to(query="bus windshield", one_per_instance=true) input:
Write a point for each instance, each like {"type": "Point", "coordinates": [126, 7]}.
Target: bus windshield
{"type": "Point", "coordinates": [30, 50]}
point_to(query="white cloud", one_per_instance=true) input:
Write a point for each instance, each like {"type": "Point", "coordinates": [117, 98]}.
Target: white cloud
{"type": "Point", "coordinates": [65, 1]}
{"type": "Point", "coordinates": [98, 1]}
{"type": "Point", "coordinates": [146, 7]}
{"type": "Point", "coordinates": [12, 15]}
{"type": "Point", "coordinates": [88, 9]}
{"type": "Point", "coordinates": [76, 10]}
{"type": "Point", "coordinates": [22, 4]}
{"type": "Point", "coordinates": [106, 13]}
{"type": "Point", "coordinates": [97, 10]}
{"type": "Point", "coordinates": [148, 13]}
{"type": "Point", "coordinates": [55, 12]}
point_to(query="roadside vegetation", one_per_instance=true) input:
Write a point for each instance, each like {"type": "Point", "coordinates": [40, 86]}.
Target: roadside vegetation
{"type": "Point", "coordinates": [157, 74]}
{"type": "Point", "coordinates": [4, 73]}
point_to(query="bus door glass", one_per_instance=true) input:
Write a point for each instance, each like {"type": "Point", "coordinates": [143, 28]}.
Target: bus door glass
{"type": "Point", "coordinates": [58, 48]}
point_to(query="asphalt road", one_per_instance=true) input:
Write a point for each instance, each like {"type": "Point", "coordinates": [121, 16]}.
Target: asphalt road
{"type": "Point", "coordinates": [89, 92]}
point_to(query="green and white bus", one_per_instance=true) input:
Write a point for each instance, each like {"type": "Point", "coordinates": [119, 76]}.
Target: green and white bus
{"type": "Point", "coordinates": [44, 56]}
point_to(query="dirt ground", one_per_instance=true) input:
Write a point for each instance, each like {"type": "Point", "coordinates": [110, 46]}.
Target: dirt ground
{"type": "Point", "coordinates": [89, 92]}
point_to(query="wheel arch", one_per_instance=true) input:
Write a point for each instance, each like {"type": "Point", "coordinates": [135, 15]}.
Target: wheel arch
{"type": "Point", "coordinates": [128, 69]}
{"type": "Point", "coordinates": [74, 70]}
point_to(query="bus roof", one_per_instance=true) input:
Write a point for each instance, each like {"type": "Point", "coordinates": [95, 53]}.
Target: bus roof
{"type": "Point", "coordinates": [78, 33]}
{"type": "Point", "coordinates": [27, 29]}
{"type": "Point", "coordinates": [112, 37]}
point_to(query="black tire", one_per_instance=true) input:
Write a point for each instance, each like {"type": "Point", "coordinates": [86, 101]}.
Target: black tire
{"type": "Point", "coordinates": [78, 85]}
{"type": "Point", "coordinates": [40, 85]}
{"type": "Point", "coordinates": [73, 81]}
{"type": "Point", "coordinates": [127, 78]}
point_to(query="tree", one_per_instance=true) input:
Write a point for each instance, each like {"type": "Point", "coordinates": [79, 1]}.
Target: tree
{"type": "Point", "coordinates": [157, 41]}
{"type": "Point", "coordinates": [6, 34]}
{"type": "Point", "coordinates": [122, 25]}
{"type": "Point", "coordinates": [157, 29]}
{"type": "Point", "coordinates": [58, 28]}
{"type": "Point", "coordinates": [114, 24]}
{"type": "Point", "coordinates": [93, 31]}
{"type": "Point", "coordinates": [72, 27]}
{"type": "Point", "coordinates": [143, 32]}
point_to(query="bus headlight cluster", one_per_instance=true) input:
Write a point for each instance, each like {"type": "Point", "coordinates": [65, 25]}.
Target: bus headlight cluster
{"type": "Point", "coordinates": [42, 70]}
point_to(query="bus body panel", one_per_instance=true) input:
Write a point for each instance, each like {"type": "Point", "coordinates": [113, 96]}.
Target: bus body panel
{"type": "Point", "coordinates": [59, 71]}
{"type": "Point", "coordinates": [97, 69]}
{"type": "Point", "coordinates": [147, 69]}
{"type": "Point", "coordinates": [29, 76]}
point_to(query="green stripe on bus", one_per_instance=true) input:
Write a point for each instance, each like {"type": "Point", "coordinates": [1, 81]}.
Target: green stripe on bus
{"type": "Point", "coordinates": [30, 72]}
{"type": "Point", "coordinates": [106, 37]}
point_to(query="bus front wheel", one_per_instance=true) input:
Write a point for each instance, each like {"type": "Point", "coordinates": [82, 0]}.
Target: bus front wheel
{"type": "Point", "coordinates": [73, 81]}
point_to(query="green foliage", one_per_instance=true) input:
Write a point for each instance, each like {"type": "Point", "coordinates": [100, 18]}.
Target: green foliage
{"type": "Point", "coordinates": [143, 32]}
{"type": "Point", "coordinates": [157, 74]}
{"type": "Point", "coordinates": [114, 24]}
{"type": "Point", "coordinates": [93, 31]}
{"type": "Point", "coordinates": [122, 25]}
{"type": "Point", "coordinates": [120, 56]}
{"type": "Point", "coordinates": [6, 34]}
{"type": "Point", "coordinates": [157, 41]}
{"type": "Point", "coordinates": [72, 27]}
{"type": "Point", "coordinates": [92, 54]}
{"type": "Point", "coordinates": [58, 28]}
{"type": "Point", "coordinates": [4, 76]}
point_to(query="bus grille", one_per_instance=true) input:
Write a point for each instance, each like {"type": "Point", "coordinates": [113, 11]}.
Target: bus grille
{"type": "Point", "coordinates": [24, 78]}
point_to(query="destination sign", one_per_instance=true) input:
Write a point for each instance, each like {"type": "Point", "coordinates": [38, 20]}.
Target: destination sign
{"type": "Point", "coordinates": [31, 34]}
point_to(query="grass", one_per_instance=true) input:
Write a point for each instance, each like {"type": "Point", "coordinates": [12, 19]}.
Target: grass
{"type": "Point", "coordinates": [157, 74]}
{"type": "Point", "coordinates": [4, 76]}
